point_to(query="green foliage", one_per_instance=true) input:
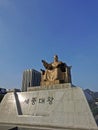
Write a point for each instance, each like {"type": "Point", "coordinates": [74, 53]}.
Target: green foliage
{"type": "Point", "coordinates": [94, 108]}
{"type": "Point", "coordinates": [95, 111]}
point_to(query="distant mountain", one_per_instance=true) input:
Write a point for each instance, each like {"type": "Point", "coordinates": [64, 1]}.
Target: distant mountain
{"type": "Point", "coordinates": [92, 98]}
{"type": "Point", "coordinates": [96, 95]}
{"type": "Point", "coordinates": [89, 95]}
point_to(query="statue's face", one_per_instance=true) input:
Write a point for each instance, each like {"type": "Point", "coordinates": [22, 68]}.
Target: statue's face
{"type": "Point", "coordinates": [55, 58]}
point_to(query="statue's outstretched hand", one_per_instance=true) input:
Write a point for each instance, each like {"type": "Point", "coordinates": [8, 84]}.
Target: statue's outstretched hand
{"type": "Point", "coordinates": [43, 61]}
{"type": "Point", "coordinates": [45, 64]}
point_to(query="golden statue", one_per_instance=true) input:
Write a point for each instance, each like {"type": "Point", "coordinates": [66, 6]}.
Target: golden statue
{"type": "Point", "coordinates": [56, 72]}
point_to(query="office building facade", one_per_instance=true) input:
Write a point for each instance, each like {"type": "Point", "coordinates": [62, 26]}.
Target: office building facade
{"type": "Point", "coordinates": [31, 78]}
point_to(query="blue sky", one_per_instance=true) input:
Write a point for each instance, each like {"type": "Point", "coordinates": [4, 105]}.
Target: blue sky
{"type": "Point", "coordinates": [32, 30]}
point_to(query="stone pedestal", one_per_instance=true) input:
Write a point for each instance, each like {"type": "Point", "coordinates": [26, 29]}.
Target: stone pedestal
{"type": "Point", "coordinates": [50, 83]}
{"type": "Point", "coordinates": [56, 107]}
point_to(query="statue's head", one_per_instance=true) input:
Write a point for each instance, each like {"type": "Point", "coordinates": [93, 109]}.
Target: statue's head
{"type": "Point", "coordinates": [55, 58]}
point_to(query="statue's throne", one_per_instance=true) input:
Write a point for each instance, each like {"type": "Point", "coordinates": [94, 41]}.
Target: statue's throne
{"type": "Point", "coordinates": [56, 76]}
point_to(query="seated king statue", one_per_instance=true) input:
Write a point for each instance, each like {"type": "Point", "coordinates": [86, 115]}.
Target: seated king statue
{"type": "Point", "coordinates": [55, 73]}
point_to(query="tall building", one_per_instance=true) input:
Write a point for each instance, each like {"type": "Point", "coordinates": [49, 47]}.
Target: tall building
{"type": "Point", "coordinates": [31, 78]}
